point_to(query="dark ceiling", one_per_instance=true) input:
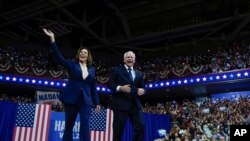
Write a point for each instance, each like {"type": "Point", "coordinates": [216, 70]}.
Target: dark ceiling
{"type": "Point", "coordinates": [145, 26]}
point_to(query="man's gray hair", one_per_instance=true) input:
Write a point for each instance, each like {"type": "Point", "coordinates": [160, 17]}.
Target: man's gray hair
{"type": "Point", "coordinates": [125, 54]}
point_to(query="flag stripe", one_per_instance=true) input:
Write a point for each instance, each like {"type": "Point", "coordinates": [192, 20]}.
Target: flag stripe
{"type": "Point", "coordinates": [97, 135]}
{"type": "Point", "coordinates": [22, 134]}
{"type": "Point", "coordinates": [38, 123]}
{"type": "Point", "coordinates": [49, 114]}
{"type": "Point", "coordinates": [39, 115]}
{"type": "Point", "coordinates": [101, 136]}
{"type": "Point", "coordinates": [34, 126]}
{"type": "Point", "coordinates": [28, 134]}
{"type": "Point", "coordinates": [92, 136]}
{"type": "Point", "coordinates": [110, 127]}
{"type": "Point", "coordinates": [40, 129]}
{"type": "Point", "coordinates": [45, 125]}
{"type": "Point", "coordinates": [107, 128]}
{"type": "Point", "coordinates": [17, 131]}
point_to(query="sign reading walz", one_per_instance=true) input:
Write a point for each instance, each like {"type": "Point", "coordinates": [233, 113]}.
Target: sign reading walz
{"type": "Point", "coordinates": [238, 132]}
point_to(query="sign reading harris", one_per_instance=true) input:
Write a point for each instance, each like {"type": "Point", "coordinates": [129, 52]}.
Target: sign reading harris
{"type": "Point", "coordinates": [238, 132]}
{"type": "Point", "coordinates": [57, 125]}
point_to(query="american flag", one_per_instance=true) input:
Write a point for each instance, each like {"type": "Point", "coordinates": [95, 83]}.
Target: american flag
{"type": "Point", "coordinates": [32, 122]}
{"type": "Point", "coordinates": [101, 125]}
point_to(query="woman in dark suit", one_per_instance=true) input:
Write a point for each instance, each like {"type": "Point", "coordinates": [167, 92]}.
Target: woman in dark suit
{"type": "Point", "coordinates": [80, 93]}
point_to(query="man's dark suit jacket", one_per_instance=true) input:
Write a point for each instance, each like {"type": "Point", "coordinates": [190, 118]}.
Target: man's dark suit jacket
{"type": "Point", "coordinates": [76, 84]}
{"type": "Point", "coordinates": [120, 76]}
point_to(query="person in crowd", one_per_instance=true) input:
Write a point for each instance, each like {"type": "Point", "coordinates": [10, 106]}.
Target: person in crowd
{"type": "Point", "coordinates": [128, 86]}
{"type": "Point", "coordinates": [80, 93]}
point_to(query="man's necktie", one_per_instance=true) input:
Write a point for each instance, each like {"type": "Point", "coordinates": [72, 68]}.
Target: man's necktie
{"type": "Point", "coordinates": [130, 74]}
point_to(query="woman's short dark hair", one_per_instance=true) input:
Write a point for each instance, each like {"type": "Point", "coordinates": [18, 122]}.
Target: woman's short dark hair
{"type": "Point", "coordinates": [89, 58]}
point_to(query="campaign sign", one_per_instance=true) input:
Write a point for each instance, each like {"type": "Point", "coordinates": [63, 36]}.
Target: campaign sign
{"type": "Point", "coordinates": [57, 125]}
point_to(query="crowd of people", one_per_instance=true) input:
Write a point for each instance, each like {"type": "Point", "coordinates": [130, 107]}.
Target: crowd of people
{"type": "Point", "coordinates": [191, 121]}
{"type": "Point", "coordinates": [211, 61]}
{"type": "Point", "coordinates": [206, 121]}
{"type": "Point", "coordinates": [18, 99]}
{"type": "Point", "coordinates": [219, 60]}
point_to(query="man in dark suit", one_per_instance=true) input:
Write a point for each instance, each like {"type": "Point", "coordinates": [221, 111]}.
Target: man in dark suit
{"type": "Point", "coordinates": [128, 85]}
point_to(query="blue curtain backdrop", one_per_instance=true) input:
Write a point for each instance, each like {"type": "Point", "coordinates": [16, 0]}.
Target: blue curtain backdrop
{"type": "Point", "coordinates": [153, 122]}
{"type": "Point", "coordinates": [7, 119]}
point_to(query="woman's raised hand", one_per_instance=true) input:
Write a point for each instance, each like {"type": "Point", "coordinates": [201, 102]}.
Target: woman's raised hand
{"type": "Point", "coordinates": [50, 34]}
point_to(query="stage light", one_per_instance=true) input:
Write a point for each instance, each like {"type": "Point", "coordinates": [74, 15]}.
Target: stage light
{"type": "Point", "coordinates": [14, 79]}
{"type": "Point", "coordinates": [27, 80]}
{"type": "Point", "coordinates": [204, 79]}
{"type": "Point", "coordinates": [238, 75]}
{"type": "Point", "coordinates": [246, 73]}
{"type": "Point", "coordinates": [217, 77]}
{"type": "Point", "coordinates": [191, 80]}
{"type": "Point", "coordinates": [224, 76]}
{"type": "Point", "coordinates": [173, 82]}
{"type": "Point", "coordinates": [150, 85]}
{"type": "Point", "coordinates": [179, 82]}
{"type": "Point", "coordinates": [198, 80]}
{"type": "Point", "coordinates": [158, 84]}
{"type": "Point", "coordinates": [211, 78]}
{"type": "Point", "coordinates": [103, 89]}
{"type": "Point", "coordinates": [20, 80]}
{"type": "Point", "coordinates": [7, 78]}
{"type": "Point", "coordinates": [98, 88]}
{"type": "Point", "coordinates": [162, 84]}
